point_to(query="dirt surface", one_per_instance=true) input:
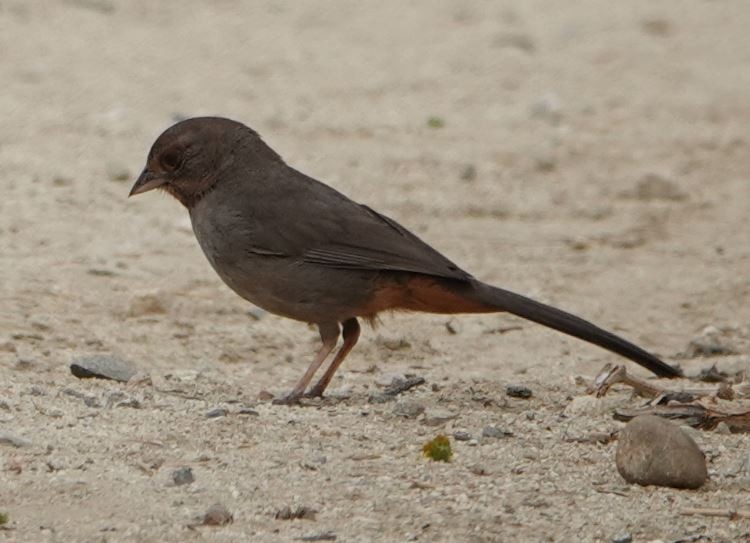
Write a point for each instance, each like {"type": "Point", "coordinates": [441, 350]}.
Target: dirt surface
{"type": "Point", "coordinates": [594, 157]}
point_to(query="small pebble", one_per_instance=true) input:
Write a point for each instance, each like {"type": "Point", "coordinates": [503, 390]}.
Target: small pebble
{"type": "Point", "coordinates": [655, 451]}
{"type": "Point", "coordinates": [248, 411]}
{"type": "Point", "coordinates": [436, 417]}
{"type": "Point", "coordinates": [299, 512]}
{"type": "Point", "coordinates": [117, 171]}
{"type": "Point", "coordinates": [151, 303]}
{"type": "Point", "coordinates": [387, 379]}
{"type": "Point", "coordinates": [408, 409]}
{"type": "Point", "coordinates": [709, 342]}
{"type": "Point", "coordinates": [92, 401]}
{"type": "Point", "coordinates": [495, 432]}
{"type": "Point", "coordinates": [657, 27]}
{"type": "Point", "coordinates": [657, 186]}
{"type": "Point", "coordinates": [623, 538]}
{"type": "Point", "coordinates": [25, 364]}
{"type": "Point", "coordinates": [216, 412]}
{"type": "Point", "coordinates": [13, 440]}
{"type": "Point", "coordinates": [118, 398]}
{"type": "Point", "coordinates": [182, 476]}
{"type": "Point", "coordinates": [102, 367]}
{"type": "Point", "coordinates": [62, 181]}
{"type": "Point", "coordinates": [545, 161]}
{"type": "Point", "coordinates": [461, 436]}
{"type": "Point", "coordinates": [217, 515]}
{"type": "Point", "coordinates": [37, 391]}
{"type": "Point", "coordinates": [515, 40]}
{"type": "Point", "coordinates": [325, 536]}
{"type": "Point", "coordinates": [453, 327]}
{"type": "Point", "coordinates": [518, 391]}
{"type": "Point", "coordinates": [468, 173]}
{"type": "Point", "coordinates": [256, 313]}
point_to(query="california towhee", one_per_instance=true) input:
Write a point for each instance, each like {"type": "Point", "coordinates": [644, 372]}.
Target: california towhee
{"type": "Point", "coordinates": [300, 249]}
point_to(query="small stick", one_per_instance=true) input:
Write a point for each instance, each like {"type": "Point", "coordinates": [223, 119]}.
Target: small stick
{"type": "Point", "coordinates": [731, 514]}
{"type": "Point", "coordinates": [610, 375]}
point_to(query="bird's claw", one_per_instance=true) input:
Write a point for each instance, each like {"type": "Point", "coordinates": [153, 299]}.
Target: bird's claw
{"type": "Point", "coordinates": [289, 399]}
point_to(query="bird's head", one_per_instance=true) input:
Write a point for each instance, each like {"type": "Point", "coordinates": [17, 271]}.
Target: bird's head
{"type": "Point", "coordinates": [188, 158]}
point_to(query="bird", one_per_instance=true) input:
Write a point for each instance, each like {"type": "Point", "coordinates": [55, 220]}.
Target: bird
{"type": "Point", "coordinates": [298, 248]}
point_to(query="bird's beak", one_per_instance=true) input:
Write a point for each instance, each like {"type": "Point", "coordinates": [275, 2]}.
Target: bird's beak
{"type": "Point", "coordinates": [146, 181]}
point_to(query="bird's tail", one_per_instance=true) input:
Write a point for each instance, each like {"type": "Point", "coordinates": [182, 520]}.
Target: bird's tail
{"type": "Point", "coordinates": [485, 298]}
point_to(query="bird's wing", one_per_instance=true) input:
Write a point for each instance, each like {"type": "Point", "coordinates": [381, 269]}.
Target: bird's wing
{"type": "Point", "coordinates": [372, 241]}
{"type": "Point", "coordinates": [322, 226]}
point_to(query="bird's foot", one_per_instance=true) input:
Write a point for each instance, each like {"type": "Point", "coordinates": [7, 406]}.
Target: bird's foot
{"type": "Point", "coordinates": [290, 399]}
{"type": "Point", "coordinates": [314, 392]}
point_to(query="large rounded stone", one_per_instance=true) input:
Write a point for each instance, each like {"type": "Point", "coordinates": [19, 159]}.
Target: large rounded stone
{"type": "Point", "coordinates": [655, 451]}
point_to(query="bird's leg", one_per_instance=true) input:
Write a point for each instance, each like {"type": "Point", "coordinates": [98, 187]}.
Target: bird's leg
{"type": "Point", "coordinates": [351, 335]}
{"type": "Point", "coordinates": [329, 334]}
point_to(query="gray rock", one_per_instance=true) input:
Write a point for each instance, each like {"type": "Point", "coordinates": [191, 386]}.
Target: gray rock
{"type": "Point", "coordinates": [436, 417]}
{"type": "Point", "coordinates": [387, 379]}
{"type": "Point", "coordinates": [623, 538]}
{"type": "Point", "coordinates": [102, 367]}
{"type": "Point", "coordinates": [117, 398]}
{"type": "Point", "coordinates": [495, 432]}
{"type": "Point", "coordinates": [711, 341]}
{"type": "Point", "coordinates": [655, 451]}
{"type": "Point", "coordinates": [408, 409]}
{"type": "Point", "coordinates": [216, 412]}
{"type": "Point", "coordinates": [182, 476]}
{"type": "Point", "coordinates": [13, 440]}
{"type": "Point", "coordinates": [461, 436]}
{"type": "Point", "coordinates": [518, 391]}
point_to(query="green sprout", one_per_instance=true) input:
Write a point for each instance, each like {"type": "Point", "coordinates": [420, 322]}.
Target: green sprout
{"type": "Point", "coordinates": [435, 122]}
{"type": "Point", "coordinates": [438, 449]}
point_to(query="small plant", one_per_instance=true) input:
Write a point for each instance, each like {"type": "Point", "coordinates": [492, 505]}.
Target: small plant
{"type": "Point", "coordinates": [4, 518]}
{"type": "Point", "coordinates": [438, 449]}
{"type": "Point", "coordinates": [435, 122]}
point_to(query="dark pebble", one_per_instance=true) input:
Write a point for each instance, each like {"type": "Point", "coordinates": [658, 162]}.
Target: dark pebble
{"type": "Point", "coordinates": [183, 476]}
{"type": "Point", "coordinates": [461, 436]}
{"type": "Point", "coordinates": [518, 391]}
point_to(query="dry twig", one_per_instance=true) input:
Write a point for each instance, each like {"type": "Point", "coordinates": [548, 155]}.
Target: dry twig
{"type": "Point", "coordinates": [731, 514]}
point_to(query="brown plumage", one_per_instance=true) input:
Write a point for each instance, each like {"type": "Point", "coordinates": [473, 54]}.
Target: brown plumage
{"type": "Point", "coordinates": [300, 249]}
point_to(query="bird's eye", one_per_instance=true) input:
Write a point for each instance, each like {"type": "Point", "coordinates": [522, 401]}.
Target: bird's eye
{"type": "Point", "coordinates": [171, 159]}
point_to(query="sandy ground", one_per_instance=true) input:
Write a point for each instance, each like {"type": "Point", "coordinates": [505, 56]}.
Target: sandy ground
{"type": "Point", "coordinates": [593, 155]}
